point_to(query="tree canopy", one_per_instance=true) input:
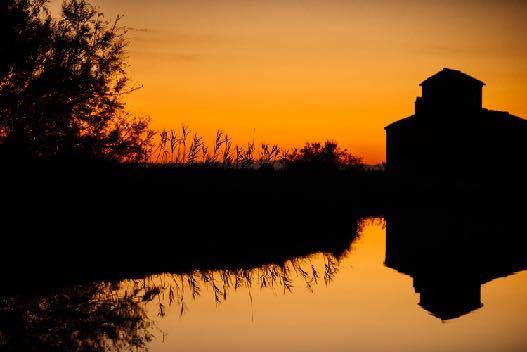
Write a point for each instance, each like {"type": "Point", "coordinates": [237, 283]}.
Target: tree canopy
{"type": "Point", "coordinates": [62, 84]}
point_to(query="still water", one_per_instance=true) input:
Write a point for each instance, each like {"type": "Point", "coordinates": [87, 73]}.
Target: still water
{"type": "Point", "coordinates": [412, 282]}
{"type": "Point", "coordinates": [354, 302]}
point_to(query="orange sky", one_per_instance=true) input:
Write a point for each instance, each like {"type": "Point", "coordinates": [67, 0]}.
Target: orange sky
{"type": "Point", "coordinates": [291, 71]}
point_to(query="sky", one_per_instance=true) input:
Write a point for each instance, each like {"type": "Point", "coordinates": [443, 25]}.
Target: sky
{"type": "Point", "coordinates": [288, 72]}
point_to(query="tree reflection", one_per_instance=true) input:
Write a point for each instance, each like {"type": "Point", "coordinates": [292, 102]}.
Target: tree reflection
{"type": "Point", "coordinates": [92, 317]}
{"type": "Point", "coordinates": [114, 316]}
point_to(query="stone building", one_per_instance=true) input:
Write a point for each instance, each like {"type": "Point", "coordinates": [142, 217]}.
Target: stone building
{"type": "Point", "coordinates": [451, 137]}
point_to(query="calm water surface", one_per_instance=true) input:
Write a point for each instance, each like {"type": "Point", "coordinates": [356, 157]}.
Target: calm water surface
{"type": "Point", "coordinates": [322, 303]}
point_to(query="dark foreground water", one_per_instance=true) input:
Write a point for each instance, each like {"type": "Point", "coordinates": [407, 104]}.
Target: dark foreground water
{"type": "Point", "coordinates": [323, 302]}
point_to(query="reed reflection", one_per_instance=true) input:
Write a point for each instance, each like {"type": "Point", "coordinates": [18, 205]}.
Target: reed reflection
{"type": "Point", "coordinates": [105, 316]}
{"type": "Point", "coordinates": [117, 314]}
{"type": "Point", "coordinates": [451, 252]}
{"type": "Point", "coordinates": [180, 289]}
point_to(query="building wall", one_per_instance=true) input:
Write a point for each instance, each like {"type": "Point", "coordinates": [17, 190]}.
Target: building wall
{"type": "Point", "coordinates": [444, 96]}
{"type": "Point", "coordinates": [456, 148]}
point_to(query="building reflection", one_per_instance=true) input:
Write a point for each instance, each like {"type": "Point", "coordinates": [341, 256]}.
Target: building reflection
{"type": "Point", "coordinates": [451, 252]}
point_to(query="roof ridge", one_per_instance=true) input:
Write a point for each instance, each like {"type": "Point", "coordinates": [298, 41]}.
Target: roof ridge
{"type": "Point", "coordinates": [451, 72]}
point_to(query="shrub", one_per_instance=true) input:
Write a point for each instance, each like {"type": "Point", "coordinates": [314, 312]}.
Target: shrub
{"type": "Point", "coordinates": [315, 156]}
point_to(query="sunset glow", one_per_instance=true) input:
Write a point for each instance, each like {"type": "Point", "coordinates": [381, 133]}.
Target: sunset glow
{"type": "Point", "coordinates": [287, 72]}
{"type": "Point", "coordinates": [263, 175]}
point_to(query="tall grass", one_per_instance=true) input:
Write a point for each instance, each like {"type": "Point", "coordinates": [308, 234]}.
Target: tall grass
{"type": "Point", "coordinates": [181, 148]}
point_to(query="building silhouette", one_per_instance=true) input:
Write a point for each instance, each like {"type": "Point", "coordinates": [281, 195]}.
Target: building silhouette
{"type": "Point", "coordinates": [451, 137]}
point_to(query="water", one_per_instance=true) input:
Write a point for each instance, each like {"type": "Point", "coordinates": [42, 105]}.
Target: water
{"type": "Point", "coordinates": [474, 299]}
{"type": "Point", "coordinates": [366, 307]}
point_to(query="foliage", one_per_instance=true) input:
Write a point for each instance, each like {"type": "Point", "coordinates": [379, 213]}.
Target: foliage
{"type": "Point", "coordinates": [315, 156]}
{"type": "Point", "coordinates": [62, 83]}
{"type": "Point", "coordinates": [177, 148]}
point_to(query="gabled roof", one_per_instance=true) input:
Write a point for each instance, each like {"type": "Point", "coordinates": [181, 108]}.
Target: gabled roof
{"type": "Point", "coordinates": [484, 114]}
{"type": "Point", "coordinates": [402, 122]}
{"type": "Point", "coordinates": [451, 75]}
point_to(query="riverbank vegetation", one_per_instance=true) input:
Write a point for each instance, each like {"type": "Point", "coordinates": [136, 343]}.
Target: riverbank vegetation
{"type": "Point", "coordinates": [63, 81]}
{"type": "Point", "coordinates": [87, 183]}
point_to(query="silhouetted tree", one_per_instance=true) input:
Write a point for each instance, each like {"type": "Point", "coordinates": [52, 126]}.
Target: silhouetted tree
{"type": "Point", "coordinates": [315, 156]}
{"type": "Point", "coordinates": [62, 82]}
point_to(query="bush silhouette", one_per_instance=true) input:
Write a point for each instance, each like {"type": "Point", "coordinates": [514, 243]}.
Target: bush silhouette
{"type": "Point", "coordinates": [315, 156]}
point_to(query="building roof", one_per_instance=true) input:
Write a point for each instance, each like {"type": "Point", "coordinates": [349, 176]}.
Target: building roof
{"type": "Point", "coordinates": [451, 75]}
{"type": "Point", "coordinates": [402, 122]}
{"type": "Point", "coordinates": [484, 114]}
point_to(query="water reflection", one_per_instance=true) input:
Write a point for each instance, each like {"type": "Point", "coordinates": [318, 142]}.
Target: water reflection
{"type": "Point", "coordinates": [106, 316]}
{"type": "Point", "coordinates": [115, 316]}
{"type": "Point", "coordinates": [92, 317]}
{"type": "Point", "coordinates": [449, 255]}
{"type": "Point", "coordinates": [451, 252]}
{"type": "Point", "coordinates": [180, 290]}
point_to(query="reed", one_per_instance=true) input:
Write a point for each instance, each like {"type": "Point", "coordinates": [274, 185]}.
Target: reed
{"type": "Point", "coordinates": [178, 149]}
